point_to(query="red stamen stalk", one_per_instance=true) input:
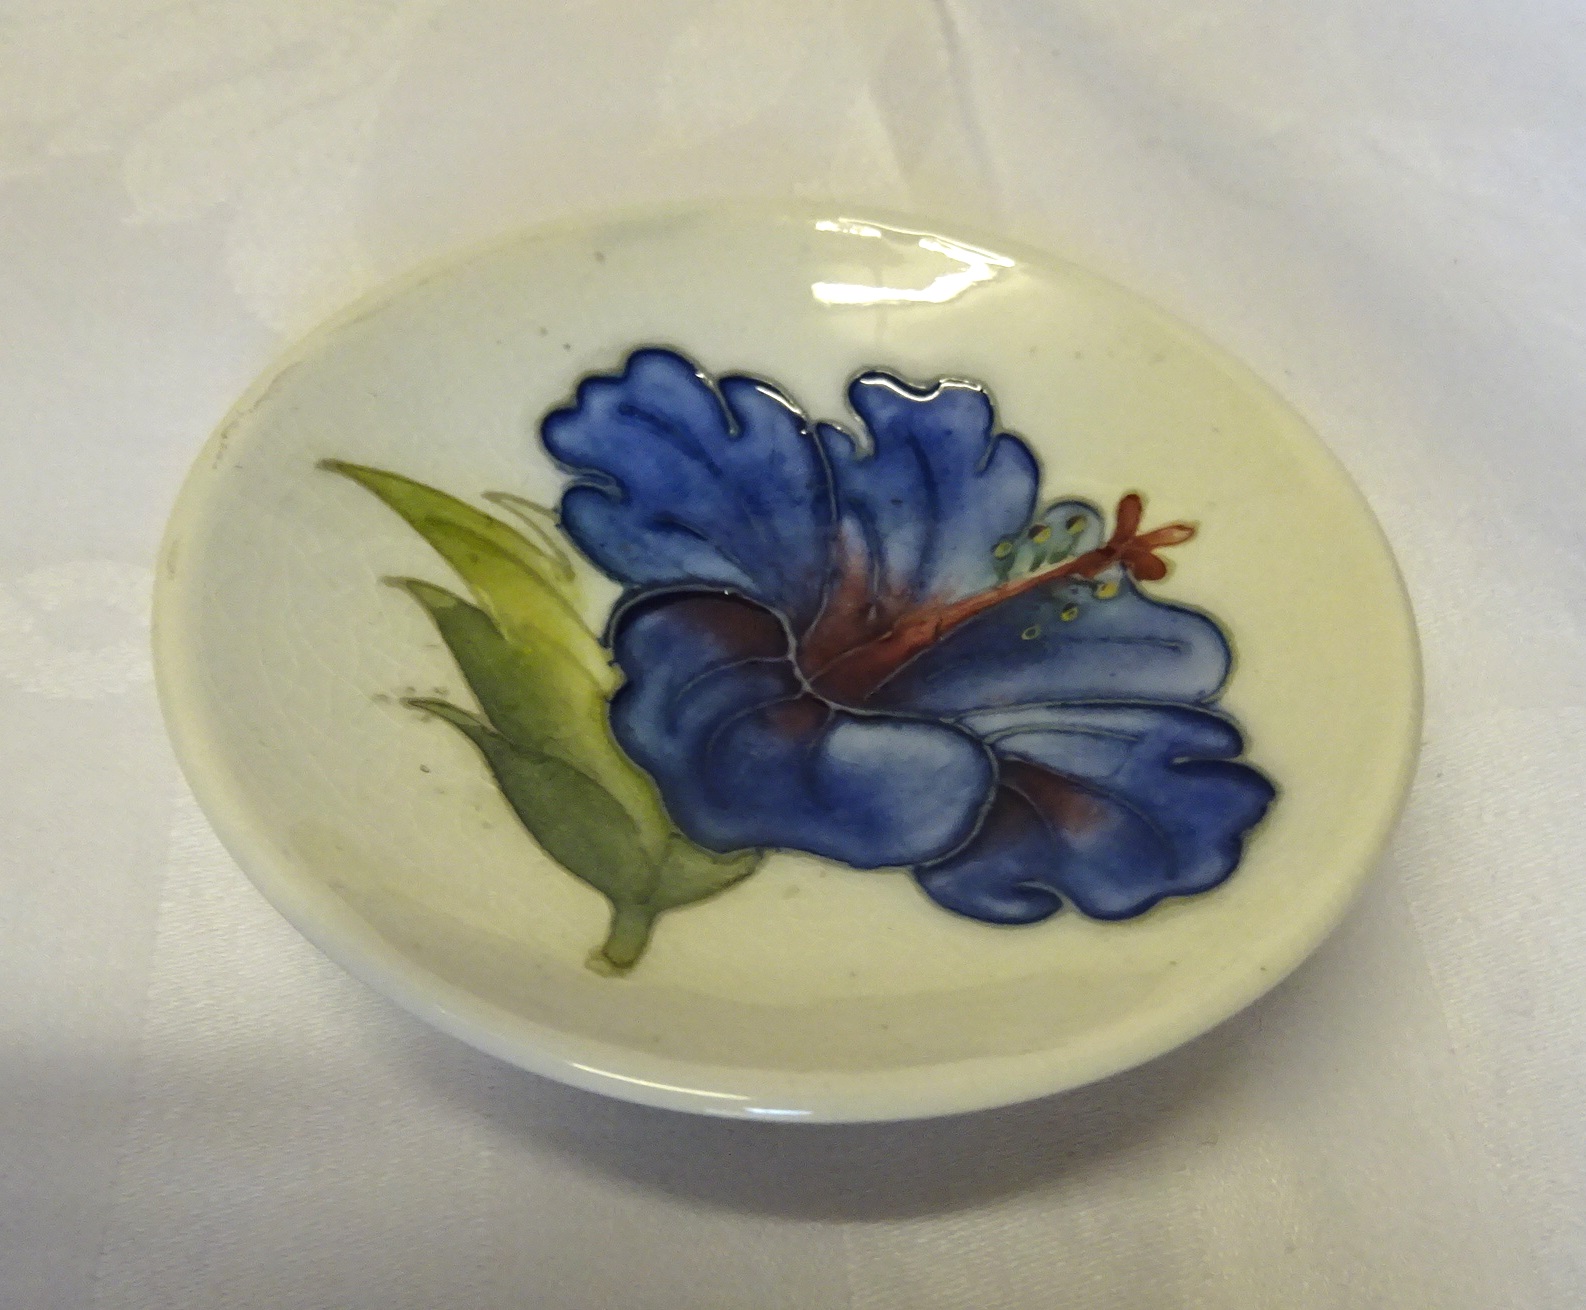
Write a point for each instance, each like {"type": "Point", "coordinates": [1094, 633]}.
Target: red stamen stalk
{"type": "Point", "coordinates": [857, 672]}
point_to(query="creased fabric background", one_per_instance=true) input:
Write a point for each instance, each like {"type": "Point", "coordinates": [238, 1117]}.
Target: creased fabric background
{"type": "Point", "coordinates": [1380, 206]}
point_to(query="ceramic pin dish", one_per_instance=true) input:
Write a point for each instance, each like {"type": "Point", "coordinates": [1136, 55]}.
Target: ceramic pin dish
{"type": "Point", "coordinates": [787, 664]}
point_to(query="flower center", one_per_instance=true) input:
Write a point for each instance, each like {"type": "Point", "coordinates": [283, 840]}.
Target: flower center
{"type": "Point", "coordinates": [861, 640]}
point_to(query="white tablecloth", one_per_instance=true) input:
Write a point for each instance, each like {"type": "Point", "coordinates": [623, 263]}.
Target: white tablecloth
{"type": "Point", "coordinates": [1380, 204]}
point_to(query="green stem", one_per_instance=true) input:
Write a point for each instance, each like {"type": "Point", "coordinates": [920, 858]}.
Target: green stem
{"type": "Point", "coordinates": [625, 943]}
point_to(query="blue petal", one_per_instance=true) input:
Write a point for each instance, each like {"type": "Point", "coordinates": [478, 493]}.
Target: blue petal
{"type": "Point", "coordinates": [1065, 643]}
{"type": "Point", "coordinates": [746, 756]}
{"type": "Point", "coordinates": [680, 482]}
{"type": "Point", "coordinates": [1172, 765]}
{"type": "Point", "coordinates": [927, 506]}
{"type": "Point", "coordinates": [1109, 807]}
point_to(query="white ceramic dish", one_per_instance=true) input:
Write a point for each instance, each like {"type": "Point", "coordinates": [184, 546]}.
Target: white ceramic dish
{"type": "Point", "coordinates": [812, 989]}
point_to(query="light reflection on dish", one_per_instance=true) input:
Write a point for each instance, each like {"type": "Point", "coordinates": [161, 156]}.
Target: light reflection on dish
{"type": "Point", "coordinates": [977, 266]}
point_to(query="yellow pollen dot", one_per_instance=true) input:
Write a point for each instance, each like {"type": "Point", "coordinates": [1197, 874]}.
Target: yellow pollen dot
{"type": "Point", "coordinates": [1107, 590]}
{"type": "Point", "coordinates": [1069, 613]}
{"type": "Point", "coordinates": [1040, 532]}
{"type": "Point", "coordinates": [1003, 549]}
{"type": "Point", "coordinates": [1032, 632]}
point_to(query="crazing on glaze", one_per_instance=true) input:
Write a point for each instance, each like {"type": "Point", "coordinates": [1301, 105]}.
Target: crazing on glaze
{"type": "Point", "coordinates": [883, 650]}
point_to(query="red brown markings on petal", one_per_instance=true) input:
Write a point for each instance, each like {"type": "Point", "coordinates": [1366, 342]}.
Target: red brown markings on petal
{"type": "Point", "coordinates": [798, 719]}
{"type": "Point", "coordinates": [848, 618]}
{"type": "Point", "coordinates": [854, 613]}
{"type": "Point", "coordinates": [741, 628]}
{"type": "Point", "coordinates": [853, 674]}
{"type": "Point", "coordinates": [1062, 802]}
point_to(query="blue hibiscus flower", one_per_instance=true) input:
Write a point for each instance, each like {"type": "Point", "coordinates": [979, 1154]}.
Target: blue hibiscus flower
{"type": "Point", "coordinates": [880, 652]}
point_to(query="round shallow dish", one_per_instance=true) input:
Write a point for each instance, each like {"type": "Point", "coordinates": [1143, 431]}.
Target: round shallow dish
{"type": "Point", "coordinates": [952, 793]}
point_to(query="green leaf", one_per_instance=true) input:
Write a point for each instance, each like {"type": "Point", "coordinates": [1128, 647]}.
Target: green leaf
{"type": "Point", "coordinates": [438, 517]}
{"type": "Point", "coordinates": [421, 506]}
{"type": "Point", "coordinates": [690, 873]}
{"type": "Point", "coordinates": [541, 522]}
{"type": "Point", "coordinates": [544, 703]}
{"type": "Point", "coordinates": [530, 614]}
{"type": "Point", "coordinates": [526, 588]}
{"type": "Point", "coordinates": [549, 745]}
{"type": "Point", "coordinates": [583, 828]}
{"type": "Point", "coordinates": [542, 681]}
{"type": "Point", "coordinates": [578, 822]}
